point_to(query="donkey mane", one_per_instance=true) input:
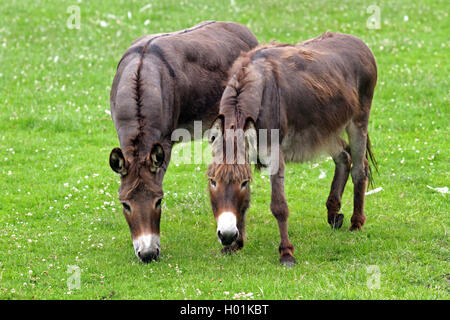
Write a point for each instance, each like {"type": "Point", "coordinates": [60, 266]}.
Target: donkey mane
{"type": "Point", "coordinates": [229, 173]}
{"type": "Point", "coordinates": [230, 104]}
{"type": "Point", "coordinates": [138, 90]}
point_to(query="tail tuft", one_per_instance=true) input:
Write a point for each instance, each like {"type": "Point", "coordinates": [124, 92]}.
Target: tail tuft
{"type": "Point", "coordinates": [372, 161]}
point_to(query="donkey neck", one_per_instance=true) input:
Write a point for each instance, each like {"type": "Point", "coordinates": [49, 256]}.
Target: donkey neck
{"type": "Point", "coordinates": [242, 97]}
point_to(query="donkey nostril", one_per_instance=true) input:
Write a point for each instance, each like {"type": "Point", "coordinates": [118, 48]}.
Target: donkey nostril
{"type": "Point", "coordinates": [227, 238]}
{"type": "Point", "coordinates": [148, 256]}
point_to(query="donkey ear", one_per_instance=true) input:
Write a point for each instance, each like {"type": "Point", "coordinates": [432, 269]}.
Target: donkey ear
{"type": "Point", "coordinates": [156, 157]}
{"type": "Point", "coordinates": [251, 141]}
{"type": "Point", "coordinates": [117, 161]}
{"type": "Point", "coordinates": [215, 134]}
{"type": "Point", "coordinates": [216, 130]}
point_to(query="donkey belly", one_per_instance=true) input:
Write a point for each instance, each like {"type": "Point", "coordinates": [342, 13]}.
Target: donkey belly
{"type": "Point", "coordinates": [305, 145]}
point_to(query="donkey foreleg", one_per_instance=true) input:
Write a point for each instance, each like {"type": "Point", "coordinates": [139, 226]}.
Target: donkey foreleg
{"type": "Point", "coordinates": [280, 210]}
{"type": "Point", "coordinates": [343, 163]}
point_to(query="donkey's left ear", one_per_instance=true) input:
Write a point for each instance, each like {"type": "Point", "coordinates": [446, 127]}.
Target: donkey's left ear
{"type": "Point", "coordinates": [251, 141]}
{"type": "Point", "coordinates": [117, 161]}
{"type": "Point", "coordinates": [215, 134]}
{"type": "Point", "coordinates": [156, 157]}
{"type": "Point", "coordinates": [216, 130]}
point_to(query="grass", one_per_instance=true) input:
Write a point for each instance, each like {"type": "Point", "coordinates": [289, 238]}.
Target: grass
{"type": "Point", "coordinates": [58, 196]}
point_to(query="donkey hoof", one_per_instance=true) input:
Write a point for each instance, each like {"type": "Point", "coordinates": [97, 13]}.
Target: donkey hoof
{"type": "Point", "coordinates": [287, 260]}
{"type": "Point", "coordinates": [357, 222]}
{"type": "Point", "coordinates": [336, 221]}
{"type": "Point", "coordinates": [355, 227]}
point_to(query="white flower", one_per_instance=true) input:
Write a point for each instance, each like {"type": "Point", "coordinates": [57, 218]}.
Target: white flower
{"type": "Point", "coordinates": [441, 190]}
{"type": "Point", "coordinates": [322, 174]}
{"type": "Point", "coordinates": [374, 191]}
{"type": "Point", "coordinates": [145, 7]}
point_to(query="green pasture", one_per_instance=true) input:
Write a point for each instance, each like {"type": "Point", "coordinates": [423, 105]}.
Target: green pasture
{"type": "Point", "coordinates": [59, 209]}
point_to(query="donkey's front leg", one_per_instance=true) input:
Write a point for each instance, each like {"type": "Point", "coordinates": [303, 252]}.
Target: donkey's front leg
{"type": "Point", "coordinates": [343, 164]}
{"type": "Point", "coordinates": [280, 210]}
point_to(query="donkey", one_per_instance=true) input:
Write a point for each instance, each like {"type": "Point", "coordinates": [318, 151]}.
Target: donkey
{"type": "Point", "coordinates": [165, 82]}
{"type": "Point", "coordinates": [305, 96]}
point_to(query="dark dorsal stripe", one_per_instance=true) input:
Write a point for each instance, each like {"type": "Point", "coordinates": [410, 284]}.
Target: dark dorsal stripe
{"type": "Point", "coordinates": [153, 49]}
{"type": "Point", "coordinates": [130, 51]}
{"type": "Point", "coordinates": [156, 50]}
{"type": "Point", "coordinates": [139, 49]}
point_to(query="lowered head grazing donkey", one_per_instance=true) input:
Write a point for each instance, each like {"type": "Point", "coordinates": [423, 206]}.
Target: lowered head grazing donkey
{"type": "Point", "coordinates": [300, 99]}
{"type": "Point", "coordinates": [164, 82]}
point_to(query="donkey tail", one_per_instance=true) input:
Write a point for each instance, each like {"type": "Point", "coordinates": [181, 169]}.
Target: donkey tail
{"type": "Point", "coordinates": [372, 162]}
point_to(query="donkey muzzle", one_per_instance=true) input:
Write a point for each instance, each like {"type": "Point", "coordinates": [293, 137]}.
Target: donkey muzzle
{"type": "Point", "coordinates": [228, 238]}
{"type": "Point", "coordinates": [146, 247]}
{"type": "Point", "coordinates": [227, 231]}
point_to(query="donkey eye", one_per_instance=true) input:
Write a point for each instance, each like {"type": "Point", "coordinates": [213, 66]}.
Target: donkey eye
{"type": "Point", "coordinates": [244, 184]}
{"type": "Point", "coordinates": [213, 183]}
{"type": "Point", "coordinates": [158, 204]}
{"type": "Point", "coordinates": [126, 207]}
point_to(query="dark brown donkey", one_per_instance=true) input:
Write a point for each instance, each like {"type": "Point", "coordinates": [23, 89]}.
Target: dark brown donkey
{"type": "Point", "coordinates": [307, 94]}
{"type": "Point", "coordinates": [164, 82]}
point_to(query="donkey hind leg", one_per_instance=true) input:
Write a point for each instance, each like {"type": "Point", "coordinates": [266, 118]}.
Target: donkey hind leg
{"type": "Point", "coordinates": [360, 167]}
{"type": "Point", "coordinates": [343, 163]}
{"type": "Point", "coordinates": [280, 210]}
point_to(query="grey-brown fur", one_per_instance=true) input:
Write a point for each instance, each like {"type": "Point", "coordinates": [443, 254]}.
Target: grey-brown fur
{"type": "Point", "coordinates": [312, 92]}
{"type": "Point", "coordinates": [164, 82]}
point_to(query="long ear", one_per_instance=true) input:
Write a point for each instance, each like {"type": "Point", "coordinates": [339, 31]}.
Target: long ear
{"type": "Point", "coordinates": [216, 130]}
{"type": "Point", "coordinates": [215, 134]}
{"type": "Point", "coordinates": [156, 157]}
{"type": "Point", "coordinates": [251, 141]}
{"type": "Point", "coordinates": [117, 161]}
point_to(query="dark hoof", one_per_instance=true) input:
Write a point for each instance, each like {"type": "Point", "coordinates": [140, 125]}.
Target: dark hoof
{"type": "Point", "coordinates": [287, 260]}
{"type": "Point", "coordinates": [336, 221]}
{"type": "Point", "coordinates": [355, 227]}
{"type": "Point", "coordinates": [357, 222]}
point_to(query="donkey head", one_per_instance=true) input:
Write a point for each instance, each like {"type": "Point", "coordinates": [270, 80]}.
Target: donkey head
{"type": "Point", "coordinates": [141, 193]}
{"type": "Point", "coordinates": [229, 179]}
